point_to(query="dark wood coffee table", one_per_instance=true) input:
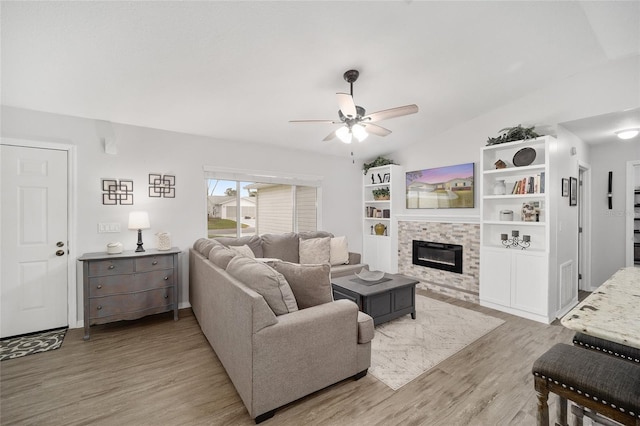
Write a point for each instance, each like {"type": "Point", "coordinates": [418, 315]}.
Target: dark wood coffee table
{"type": "Point", "coordinates": [391, 297]}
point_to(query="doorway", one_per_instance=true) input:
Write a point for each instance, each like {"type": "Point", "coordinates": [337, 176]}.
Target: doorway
{"type": "Point", "coordinates": [584, 226]}
{"type": "Point", "coordinates": [37, 280]}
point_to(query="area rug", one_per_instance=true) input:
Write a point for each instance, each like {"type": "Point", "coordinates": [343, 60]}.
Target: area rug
{"type": "Point", "coordinates": [404, 348]}
{"type": "Point", "coordinates": [15, 347]}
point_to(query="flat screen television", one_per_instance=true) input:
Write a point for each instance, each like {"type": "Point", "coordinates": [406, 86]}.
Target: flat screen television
{"type": "Point", "coordinates": [449, 187]}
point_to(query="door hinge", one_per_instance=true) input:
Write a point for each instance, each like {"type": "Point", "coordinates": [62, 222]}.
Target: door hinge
{"type": "Point", "coordinates": [579, 276]}
{"type": "Point", "coordinates": [580, 229]}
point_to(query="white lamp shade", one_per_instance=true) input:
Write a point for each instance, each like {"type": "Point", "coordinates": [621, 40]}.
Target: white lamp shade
{"type": "Point", "coordinates": [359, 132]}
{"type": "Point", "coordinates": [139, 220]}
{"type": "Point", "coordinates": [344, 134]}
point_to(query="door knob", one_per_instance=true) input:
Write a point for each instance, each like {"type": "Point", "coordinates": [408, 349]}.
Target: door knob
{"type": "Point", "coordinates": [60, 253]}
{"type": "Point", "coordinates": [60, 244]}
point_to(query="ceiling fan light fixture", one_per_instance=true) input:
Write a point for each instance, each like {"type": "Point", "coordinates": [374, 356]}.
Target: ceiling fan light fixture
{"type": "Point", "coordinates": [344, 134]}
{"type": "Point", "coordinates": [359, 132]}
{"type": "Point", "coordinates": [627, 133]}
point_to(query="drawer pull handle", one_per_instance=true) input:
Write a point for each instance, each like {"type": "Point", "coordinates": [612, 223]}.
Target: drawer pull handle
{"type": "Point", "coordinates": [155, 262]}
{"type": "Point", "coordinates": [166, 296]}
{"type": "Point", "coordinates": [111, 266]}
{"type": "Point", "coordinates": [99, 307]}
{"type": "Point", "coordinates": [99, 286]}
{"type": "Point", "coordinates": [166, 278]}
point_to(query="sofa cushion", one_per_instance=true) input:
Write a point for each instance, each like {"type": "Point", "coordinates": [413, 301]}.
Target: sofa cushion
{"type": "Point", "coordinates": [280, 246]}
{"type": "Point", "coordinates": [198, 243]}
{"type": "Point", "coordinates": [339, 253]}
{"type": "Point", "coordinates": [265, 281]}
{"type": "Point", "coordinates": [315, 250]}
{"type": "Point", "coordinates": [365, 328]}
{"type": "Point", "coordinates": [253, 241]}
{"type": "Point", "coordinates": [244, 250]}
{"type": "Point", "coordinates": [311, 284]}
{"type": "Point", "coordinates": [306, 235]}
{"type": "Point", "coordinates": [221, 256]}
{"type": "Point", "coordinates": [206, 246]}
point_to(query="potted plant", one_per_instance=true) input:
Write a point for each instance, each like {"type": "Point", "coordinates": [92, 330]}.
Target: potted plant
{"type": "Point", "coordinates": [380, 161]}
{"type": "Point", "coordinates": [381, 194]}
{"type": "Point", "coordinates": [510, 134]}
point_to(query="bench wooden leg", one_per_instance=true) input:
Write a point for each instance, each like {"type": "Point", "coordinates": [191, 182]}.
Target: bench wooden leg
{"type": "Point", "coordinates": [578, 415]}
{"type": "Point", "coordinates": [542, 392]}
{"type": "Point", "coordinates": [561, 412]}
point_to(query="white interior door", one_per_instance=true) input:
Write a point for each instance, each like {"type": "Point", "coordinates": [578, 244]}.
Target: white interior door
{"type": "Point", "coordinates": [34, 268]}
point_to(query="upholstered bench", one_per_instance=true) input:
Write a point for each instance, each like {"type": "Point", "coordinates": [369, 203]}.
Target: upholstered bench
{"type": "Point", "coordinates": [605, 384]}
{"type": "Point", "coordinates": [607, 347]}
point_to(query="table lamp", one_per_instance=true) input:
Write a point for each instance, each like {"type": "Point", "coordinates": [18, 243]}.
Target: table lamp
{"type": "Point", "coordinates": [139, 221]}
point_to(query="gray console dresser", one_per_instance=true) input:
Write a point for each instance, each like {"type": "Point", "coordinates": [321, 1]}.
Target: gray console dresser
{"type": "Point", "coordinates": [129, 285]}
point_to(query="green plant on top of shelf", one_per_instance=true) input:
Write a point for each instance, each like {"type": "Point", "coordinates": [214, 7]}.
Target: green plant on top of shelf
{"type": "Point", "coordinates": [510, 134]}
{"type": "Point", "coordinates": [380, 161]}
{"type": "Point", "coordinates": [381, 193]}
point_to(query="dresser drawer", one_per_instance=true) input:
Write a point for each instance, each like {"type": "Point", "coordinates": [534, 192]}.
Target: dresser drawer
{"type": "Point", "coordinates": [114, 284]}
{"type": "Point", "coordinates": [125, 306]}
{"type": "Point", "coordinates": [110, 267]}
{"type": "Point", "coordinates": [154, 263]}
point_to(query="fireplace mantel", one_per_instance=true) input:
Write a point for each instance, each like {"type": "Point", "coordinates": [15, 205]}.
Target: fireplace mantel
{"type": "Point", "coordinates": [438, 218]}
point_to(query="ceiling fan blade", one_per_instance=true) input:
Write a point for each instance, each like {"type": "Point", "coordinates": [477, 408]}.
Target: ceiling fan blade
{"type": "Point", "coordinates": [391, 113]}
{"type": "Point", "coordinates": [316, 121]}
{"type": "Point", "coordinates": [330, 136]}
{"type": "Point", "coordinates": [347, 106]}
{"type": "Point", "coordinates": [376, 130]}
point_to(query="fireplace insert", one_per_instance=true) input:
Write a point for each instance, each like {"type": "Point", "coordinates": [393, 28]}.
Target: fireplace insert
{"type": "Point", "coordinates": [447, 257]}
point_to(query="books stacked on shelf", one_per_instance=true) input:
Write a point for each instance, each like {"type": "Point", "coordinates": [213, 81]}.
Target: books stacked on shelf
{"type": "Point", "coordinates": [377, 213]}
{"type": "Point", "coordinates": [529, 185]}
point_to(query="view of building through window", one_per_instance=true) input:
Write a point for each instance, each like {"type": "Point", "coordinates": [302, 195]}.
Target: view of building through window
{"type": "Point", "coordinates": [237, 208]}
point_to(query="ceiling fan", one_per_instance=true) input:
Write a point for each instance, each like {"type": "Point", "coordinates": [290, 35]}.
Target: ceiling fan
{"type": "Point", "coordinates": [352, 117]}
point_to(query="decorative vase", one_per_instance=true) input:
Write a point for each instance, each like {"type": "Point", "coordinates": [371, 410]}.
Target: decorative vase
{"type": "Point", "coordinates": [163, 240]}
{"type": "Point", "coordinates": [380, 229]}
{"type": "Point", "coordinates": [499, 188]}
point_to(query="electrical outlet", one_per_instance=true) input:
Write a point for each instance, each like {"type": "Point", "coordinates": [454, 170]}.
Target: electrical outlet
{"type": "Point", "coordinates": [108, 227]}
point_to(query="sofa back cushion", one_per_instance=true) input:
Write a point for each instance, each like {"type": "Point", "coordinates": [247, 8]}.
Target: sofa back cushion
{"type": "Point", "coordinates": [281, 246]}
{"type": "Point", "coordinates": [253, 241]}
{"type": "Point", "coordinates": [315, 250]}
{"type": "Point", "coordinates": [305, 235]}
{"type": "Point", "coordinates": [265, 281]}
{"type": "Point", "coordinates": [311, 284]}
{"type": "Point", "coordinates": [221, 256]}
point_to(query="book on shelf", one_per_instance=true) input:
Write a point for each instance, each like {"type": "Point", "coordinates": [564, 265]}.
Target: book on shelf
{"type": "Point", "coordinates": [529, 185]}
{"type": "Point", "coordinates": [373, 212]}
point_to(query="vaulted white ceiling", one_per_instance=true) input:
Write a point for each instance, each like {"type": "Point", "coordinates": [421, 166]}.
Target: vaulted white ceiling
{"type": "Point", "coordinates": [240, 71]}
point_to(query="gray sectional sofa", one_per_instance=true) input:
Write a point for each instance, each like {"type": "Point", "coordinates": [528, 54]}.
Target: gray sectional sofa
{"type": "Point", "coordinates": [273, 322]}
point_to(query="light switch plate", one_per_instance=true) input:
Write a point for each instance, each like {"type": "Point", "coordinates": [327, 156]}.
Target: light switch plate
{"type": "Point", "coordinates": [108, 227]}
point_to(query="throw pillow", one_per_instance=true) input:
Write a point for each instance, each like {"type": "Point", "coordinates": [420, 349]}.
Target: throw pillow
{"type": "Point", "coordinates": [206, 246]}
{"type": "Point", "coordinates": [265, 281]}
{"type": "Point", "coordinates": [305, 235]}
{"type": "Point", "coordinates": [315, 250]}
{"type": "Point", "coordinates": [281, 246]}
{"type": "Point", "coordinates": [253, 241]}
{"type": "Point", "coordinates": [339, 251]}
{"type": "Point", "coordinates": [311, 284]}
{"type": "Point", "coordinates": [243, 250]}
{"type": "Point", "coordinates": [221, 256]}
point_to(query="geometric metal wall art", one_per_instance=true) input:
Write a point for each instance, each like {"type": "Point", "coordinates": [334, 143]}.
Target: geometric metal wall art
{"type": "Point", "coordinates": [162, 186]}
{"type": "Point", "coordinates": [117, 192]}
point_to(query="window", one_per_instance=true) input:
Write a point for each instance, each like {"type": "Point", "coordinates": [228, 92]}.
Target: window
{"type": "Point", "coordinates": [261, 206]}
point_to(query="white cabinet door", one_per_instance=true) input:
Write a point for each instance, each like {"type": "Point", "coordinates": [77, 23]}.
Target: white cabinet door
{"type": "Point", "coordinates": [530, 283]}
{"type": "Point", "coordinates": [376, 254]}
{"type": "Point", "coordinates": [495, 276]}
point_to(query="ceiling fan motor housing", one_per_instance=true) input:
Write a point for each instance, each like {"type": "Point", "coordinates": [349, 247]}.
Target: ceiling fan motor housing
{"type": "Point", "coordinates": [360, 112]}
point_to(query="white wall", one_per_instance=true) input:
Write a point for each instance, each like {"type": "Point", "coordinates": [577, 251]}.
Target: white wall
{"type": "Point", "coordinates": [142, 151]}
{"type": "Point", "coordinates": [614, 86]}
{"type": "Point", "coordinates": [609, 226]}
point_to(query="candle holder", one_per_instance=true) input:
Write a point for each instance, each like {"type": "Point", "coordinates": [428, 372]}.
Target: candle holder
{"type": "Point", "coordinates": [515, 241]}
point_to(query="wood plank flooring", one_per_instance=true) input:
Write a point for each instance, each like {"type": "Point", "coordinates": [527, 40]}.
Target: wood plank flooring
{"type": "Point", "coordinates": [159, 372]}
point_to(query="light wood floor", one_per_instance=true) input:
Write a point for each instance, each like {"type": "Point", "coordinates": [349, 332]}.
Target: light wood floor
{"type": "Point", "coordinates": [159, 372]}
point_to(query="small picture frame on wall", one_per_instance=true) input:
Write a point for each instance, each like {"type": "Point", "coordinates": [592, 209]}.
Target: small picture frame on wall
{"type": "Point", "coordinates": [573, 191]}
{"type": "Point", "coordinates": [565, 187]}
